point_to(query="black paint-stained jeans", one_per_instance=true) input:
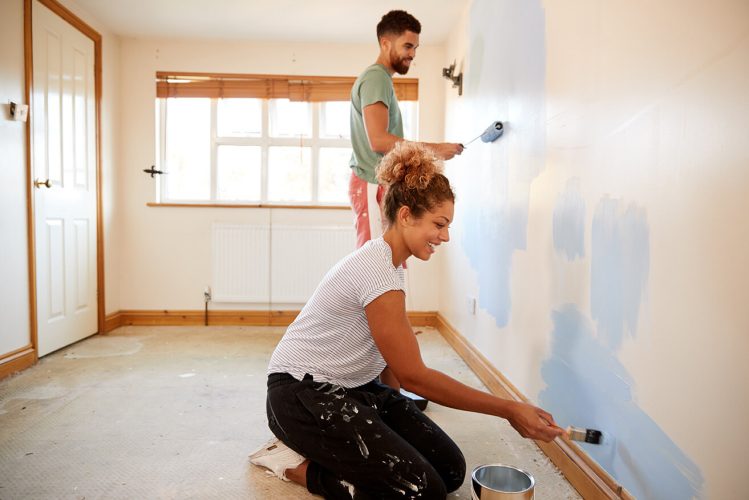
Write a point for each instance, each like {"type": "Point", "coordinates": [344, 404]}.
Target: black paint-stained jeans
{"type": "Point", "coordinates": [369, 442]}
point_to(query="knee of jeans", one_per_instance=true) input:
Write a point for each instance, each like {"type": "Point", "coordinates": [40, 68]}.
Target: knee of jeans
{"type": "Point", "coordinates": [455, 474]}
{"type": "Point", "coordinates": [424, 483]}
{"type": "Point", "coordinates": [430, 487]}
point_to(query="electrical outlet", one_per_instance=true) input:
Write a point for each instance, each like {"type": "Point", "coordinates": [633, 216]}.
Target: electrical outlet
{"type": "Point", "coordinates": [207, 294]}
{"type": "Point", "coordinates": [471, 303]}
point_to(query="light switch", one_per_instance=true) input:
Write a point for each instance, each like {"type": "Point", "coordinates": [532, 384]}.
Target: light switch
{"type": "Point", "coordinates": [19, 112]}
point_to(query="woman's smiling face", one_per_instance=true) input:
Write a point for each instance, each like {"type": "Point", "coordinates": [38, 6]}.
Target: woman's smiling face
{"type": "Point", "coordinates": [422, 235]}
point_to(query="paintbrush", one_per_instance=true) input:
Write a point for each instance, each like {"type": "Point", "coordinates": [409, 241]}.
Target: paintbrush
{"type": "Point", "coordinates": [591, 436]}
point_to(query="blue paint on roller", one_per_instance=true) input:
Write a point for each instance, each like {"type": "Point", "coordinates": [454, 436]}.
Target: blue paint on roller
{"type": "Point", "coordinates": [588, 386]}
{"type": "Point", "coordinates": [620, 261]}
{"type": "Point", "coordinates": [569, 222]}
{"type": "Point", "coordinates": [491, 134]}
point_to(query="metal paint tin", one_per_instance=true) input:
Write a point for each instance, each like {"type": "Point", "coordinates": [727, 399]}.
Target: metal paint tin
{"type": "Point", "coordinates": [501, 482]}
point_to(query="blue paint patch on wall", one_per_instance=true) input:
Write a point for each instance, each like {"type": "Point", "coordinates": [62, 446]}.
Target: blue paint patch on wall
{"type": "Point", "coordinates": [495, 234]}
{"type": "Point", "coordinates": [493, 183]}
{"type": "Point", "coordinates": [569, 222]}
{"type": "Point", "coordinates": [588, 387]}
{"type": "Point", "coordinates": [620, 260]}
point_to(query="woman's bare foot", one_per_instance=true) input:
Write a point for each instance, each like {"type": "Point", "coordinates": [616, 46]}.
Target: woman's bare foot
{"type": "Point", "coordinates": [298, 474]}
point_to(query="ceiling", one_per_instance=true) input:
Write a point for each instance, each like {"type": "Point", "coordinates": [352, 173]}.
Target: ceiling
{"type": "Point", "coordinates": [337, 21]}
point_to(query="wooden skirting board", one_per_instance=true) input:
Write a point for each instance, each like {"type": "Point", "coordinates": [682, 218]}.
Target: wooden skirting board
{"type": "Point", "coordinates": [16, 361]}
{"type": "Point", "coordinates": [196, 317]}
{"type": "Point", "coordinates": [225, 318]}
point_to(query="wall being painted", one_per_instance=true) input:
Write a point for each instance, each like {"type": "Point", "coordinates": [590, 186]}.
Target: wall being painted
{"type": "Point", "coordinates": [166, 251]}
{"type": "Point", "coordinates": [604, 234]}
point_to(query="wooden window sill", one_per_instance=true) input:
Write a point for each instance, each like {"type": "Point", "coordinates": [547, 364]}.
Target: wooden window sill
{"type": "Point", "coordinates": [248, 205]}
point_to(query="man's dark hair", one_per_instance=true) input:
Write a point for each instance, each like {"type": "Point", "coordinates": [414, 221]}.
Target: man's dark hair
{"type": "Point", "coordinates": [396, 22]}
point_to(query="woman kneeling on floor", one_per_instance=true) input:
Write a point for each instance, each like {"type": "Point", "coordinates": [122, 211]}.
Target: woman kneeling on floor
{"type": "Point", "coordinates": [341, 431]}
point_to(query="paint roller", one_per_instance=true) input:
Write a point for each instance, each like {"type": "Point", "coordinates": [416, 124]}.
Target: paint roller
{"type": "Point", "coordinates": [491, 134]}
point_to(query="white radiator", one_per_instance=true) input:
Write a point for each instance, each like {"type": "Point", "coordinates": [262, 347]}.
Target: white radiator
{"type": "Point", "coordinates": [274, 264]}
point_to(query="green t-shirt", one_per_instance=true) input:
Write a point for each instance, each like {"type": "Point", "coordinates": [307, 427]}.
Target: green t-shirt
{"type": "Point", "coordinates": [374, 85]}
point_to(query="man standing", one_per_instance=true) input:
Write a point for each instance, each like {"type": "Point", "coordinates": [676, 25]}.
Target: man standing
{"type": "Point", "coordinates": [376, 126]}
{"type": "Point", "coordinates": [376, 123]}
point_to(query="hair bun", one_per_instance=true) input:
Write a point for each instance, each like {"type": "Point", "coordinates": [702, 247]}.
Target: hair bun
{"type": "Point", "coordinates": [411, 163]}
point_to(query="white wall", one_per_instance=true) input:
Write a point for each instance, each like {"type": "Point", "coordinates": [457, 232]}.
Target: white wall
{"type": "Point", "coordinates": [14, 269]}
{"type": "Point", "coordinates": [111, 171]}
{"type": "Point", "coordinates": [605, 233]}
{"type": "Point", "coordinates": [165, 252]}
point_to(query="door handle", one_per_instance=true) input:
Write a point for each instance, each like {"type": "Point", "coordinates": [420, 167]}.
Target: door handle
{"type": "Point", "coordinates": [38, 183]}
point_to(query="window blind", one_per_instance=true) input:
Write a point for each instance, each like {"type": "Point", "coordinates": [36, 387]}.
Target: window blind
{"type": "Point", "coordinates": [292, 87]}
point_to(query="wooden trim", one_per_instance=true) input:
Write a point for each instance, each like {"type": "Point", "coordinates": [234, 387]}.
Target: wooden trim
{"type": "Point", "coordinates": [247, 205]}
{"type": "Point", "coordinates": [425, 318]}
{"type": "Point", "coordinates": [100, 283]}
{"type": "Point", "coordinates": [72, 19]}
{"type": "Point", "coordinates": [30, 230]}
{"type": "Point", "coordinates": [112, 322]}
{"type": "Point", "coordinates": [588, 478]}
{"type": "Point", "coordinates": [17, 360]}
{"type": "Point", "coordinates": [224, 318]}
{"type": "Point", "coordinates": [294, 87]}
{"type": "Point", "coordinates": [68, 16]}
{"type": "Point", "coordinates": [197, 317]}
{"type": "Point", "coordinates": [208, 76]}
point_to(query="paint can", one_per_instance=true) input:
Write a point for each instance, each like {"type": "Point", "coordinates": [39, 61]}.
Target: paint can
{"type": "Point", "coordinates": [501, 482]}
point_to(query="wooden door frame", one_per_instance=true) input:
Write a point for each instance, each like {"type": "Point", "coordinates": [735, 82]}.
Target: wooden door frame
{"type": "Point", "coordinates": [89, 32]}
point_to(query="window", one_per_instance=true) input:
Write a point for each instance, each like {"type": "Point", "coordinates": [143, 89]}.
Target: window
{"type": "Point", "coordinates": [264, 150]}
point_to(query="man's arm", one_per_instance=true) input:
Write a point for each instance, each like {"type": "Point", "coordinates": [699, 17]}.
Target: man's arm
{"type": "Point", "coordinates": [376, 120]}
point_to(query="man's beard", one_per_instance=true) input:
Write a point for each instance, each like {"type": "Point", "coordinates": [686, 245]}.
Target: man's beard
{"type": "Point", "coordinates": [399, 64]}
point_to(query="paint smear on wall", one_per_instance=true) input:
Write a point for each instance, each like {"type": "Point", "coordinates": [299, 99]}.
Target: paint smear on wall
{"type": "Point", "coordinates": [587, 386]}
{"type": "Point", "coordinates": [620, 260]}
{"type": "Point", "coordinates": [504, 80]}
{"type": "Point", "coordinates": [491, 251]}
{"type": "Point", "coordinates": [569, 222]}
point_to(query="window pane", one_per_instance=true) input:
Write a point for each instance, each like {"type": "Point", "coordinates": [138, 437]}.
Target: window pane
{"type": "Point", "coordinates": [334, 120]}
{"type": "Point", "coordinates": [188, 149]}
{"type": "Point", "coordinates": [238, 173]}
{"type": "Point", "coordinates": [290, 119]}
{"type": "Point", "coordinates": [239, 118]}
{"type": "Point", "coordinates": [334, 174]}
{"type": "Point", "coordinates": [410, 114]}
{"type": "Point", "coordinates": [289, 174]}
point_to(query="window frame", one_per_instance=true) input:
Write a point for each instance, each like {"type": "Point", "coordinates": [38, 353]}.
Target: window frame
{"type": "Point", "coordinates": [265, 141]}
{"type": "Point", "coordinates": [313, 90]}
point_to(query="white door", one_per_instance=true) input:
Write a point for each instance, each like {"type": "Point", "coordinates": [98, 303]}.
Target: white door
{"type": "Point", "coordinates": [64, 169]}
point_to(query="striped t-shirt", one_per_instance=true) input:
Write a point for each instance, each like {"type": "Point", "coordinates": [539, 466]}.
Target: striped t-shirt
{"type": "Point", "coordinates": [330, 339]}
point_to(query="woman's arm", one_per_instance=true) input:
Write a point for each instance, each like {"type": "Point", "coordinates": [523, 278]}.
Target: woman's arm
{"type": "Point", "coordinates": [388, 378]}
{"type": "Point", "coordinates": [396, 341]}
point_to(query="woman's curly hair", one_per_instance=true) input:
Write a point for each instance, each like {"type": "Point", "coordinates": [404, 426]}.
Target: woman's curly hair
{"type": "Point", "coordinates": [413, 178]}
